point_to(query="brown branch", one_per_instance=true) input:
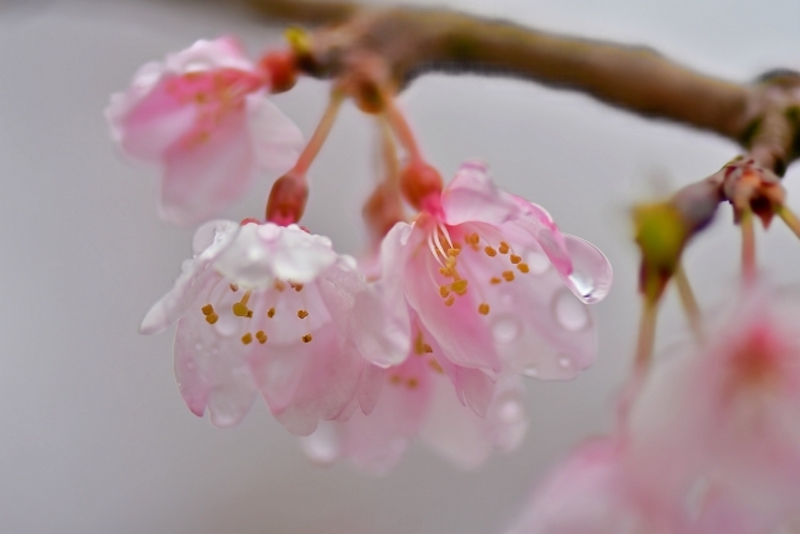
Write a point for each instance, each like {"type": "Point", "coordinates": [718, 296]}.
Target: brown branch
{"type": "Point", "coordinates": [763, 117]}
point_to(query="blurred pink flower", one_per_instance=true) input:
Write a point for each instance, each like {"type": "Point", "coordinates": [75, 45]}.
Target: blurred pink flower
{"type": "Point", "coordinates": [202, 116]}
{"type": "Point", "coordinates": [460, 412]}
{"type": "Point", "coordinates": [591, 493]}
{"type": "Point", "coordinates": [726, 417]}
{"type": "Point", "coordinates": [493, 282]}
{"type": "Point", "coordinates": [263, 307]}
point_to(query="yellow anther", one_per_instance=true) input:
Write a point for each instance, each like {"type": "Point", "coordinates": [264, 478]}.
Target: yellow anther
{"type": "Point", "coordinates": [436, 366]}
{"type": "Point", "coordinates": [427, 348]}
{"type": "Point", "coordinates": [483, 308]}
{"type": "Point", "coordinates": [472, 239]}
{"type": "Point", "coordinates": [490, 252]}
{"type": "Point", "coordinates": [280, 286]}
{"type": "Point", "coordinates": [247, 338]}
{"type": "Point", "coordinates": [261, 337]}
{"type": "Point", "coordinates": [234, 287]}
{"type": "Point", "coordinates": [453, 252]}
{"type": "Point", "coordinates": [212, 318]}
{"type": "Point", "coordinates": [444, 291]}
{"type": "Point", "coordinates": [271, 313]}
{"type": "Point", "coordinates": [494, 280]}
{"type": "Point", "coordinates": [297, 287]}
{"type": "Point", "coordinates": [412, 383]}
{"type": "Point", "coordinates": [523, 267]}
{"type": "Point", "coordinates": [450, 301]}
{"type": "Point", "coordinates": [395, 379]}
{"type": "Point", "coordinates": [446, 271]}
{"type": "Point", "coordinates": [307, 338]}
{"type": "Point", "coordinates": [208, 309]}
{"type": "Point", "coordinates": [240, 310]}
{"type": "Point", "coordinates": [459, 287]}
{"type": "Point", "coordinates": [515, 259]}
{"type": "Point", "coordinates": [508, 275]}
{"type": "Point", "coordinates": [249, 314]}
{"type": "Point", "coordinates": [503, 247]}
{"type": "Point", "coordinates": [302, 314]}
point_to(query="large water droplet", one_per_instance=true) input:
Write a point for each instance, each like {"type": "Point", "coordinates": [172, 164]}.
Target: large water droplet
{"type": "Point", "coordinates": [591, 275]}
{"type": "Point", "coordinates": [506, 328]}
{"type": "Point", "coordinates": [538, 262]}
{"type": "Point", "coordinates": [570, 313]}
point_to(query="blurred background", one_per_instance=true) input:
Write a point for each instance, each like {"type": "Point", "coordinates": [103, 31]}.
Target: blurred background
{"type": "Point", "coordinates": [95, 437]}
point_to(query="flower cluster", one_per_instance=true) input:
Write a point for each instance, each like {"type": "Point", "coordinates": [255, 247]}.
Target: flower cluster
{"type": "Point", "coordinates": [709, 441]}
{"type": "Point", "coordinates": [477, 288]}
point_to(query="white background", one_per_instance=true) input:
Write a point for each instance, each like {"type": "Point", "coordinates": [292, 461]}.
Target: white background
{"type": "Point", "coordinates": [94, 437]}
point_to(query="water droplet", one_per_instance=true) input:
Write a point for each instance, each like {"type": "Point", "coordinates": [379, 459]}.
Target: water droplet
{"type": "Point", "coordinates": [570, 313]}
{"type": "Point", "coordinates": [322, 446]}
{"type": "Point", "coordinates": [511, 411]}
{"type": "Point", "coordinates": [531, 371]}
{"type": "Point", "coordinates": [227, 325]}
{"type": "Point", "coordinates": [591, 276]}
{"type": "Point", "coordinates": [538, 262]}
{"type": "Point", "coordinates": [506, 328]}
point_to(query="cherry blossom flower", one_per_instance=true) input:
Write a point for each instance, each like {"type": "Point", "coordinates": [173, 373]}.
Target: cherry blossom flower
{"type": "Point", "coordinates": [726, 418]}
{"type": "Point", "coordinates": [493, 282]}
{"type": "Point", "coordinates": [263, 307]}
{"type": "Point", "coordinates": [202, 116]}
{"type": "Point", "coordinates": [460, 412]}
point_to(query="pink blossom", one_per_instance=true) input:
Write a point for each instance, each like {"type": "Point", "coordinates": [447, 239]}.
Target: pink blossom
{"type": "Point", "coordinates": [493, 282]}
{"type": "Point", "coordinates": [263, 307]}
{"type": "Point", "coordinates": [460, 412]}
{"type": "Point", "coordinates": [726, 418]}
{"type": "Point", "coordinates": [592, 493]}
{"type": "Point", "coordinates": [202, 116]}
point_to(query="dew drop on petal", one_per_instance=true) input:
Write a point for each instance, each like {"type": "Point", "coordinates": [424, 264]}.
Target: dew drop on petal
{"type": "Point", "coordinates": [538, 262]}
{"type": "Point", "coordinates": [227, 325]}
{"type": "Point", "coordinates": [506, 328]}
{"type": "Point", "coordinates": [510, 411]}
{"type": "Point", "coordinates": [322, 446]}
{"type": "Point", "coordinates": [591, 276]}
{"type": "Point", "coordinates": [570, 313]}
{"type": "Point", "coordinates": [531, 371]}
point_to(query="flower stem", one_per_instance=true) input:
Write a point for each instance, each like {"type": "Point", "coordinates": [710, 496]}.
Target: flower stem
{"type": "Point", "coordinates": [391, 162]}
{"type": "Point", "coordinates": [748, 245]}
{"type": "Point", "coordinates": [790, 219]}
{"type": "Point", "coordinates": [647, 335]}
{"type": "Point", "coordinates": [319, 136]}
{"type": "Point", "coordinates": [689, 302]}
{"type": "Point", "coordinates": [402, 130]}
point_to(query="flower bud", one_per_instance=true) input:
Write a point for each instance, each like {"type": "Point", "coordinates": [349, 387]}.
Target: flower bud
{"type": "Point", "coordinates": [280, 67]}
{"type": "Point", "coordinates": [287, 200]}
{"type": "Point", "coordinates": [418, 180]}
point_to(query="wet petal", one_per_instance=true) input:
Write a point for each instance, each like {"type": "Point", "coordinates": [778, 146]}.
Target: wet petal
{"type": "Point", "coordinates": [472, 196]}
{"type": "Point", "coordinates": [277, 140]}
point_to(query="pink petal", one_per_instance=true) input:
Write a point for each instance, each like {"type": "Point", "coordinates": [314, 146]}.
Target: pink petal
{"type": "Point", "coordinates": [591, 276]}
{"type": "Point", "coordinates": [277, 141]}
{"type": "Point", "coordinates": [472, 196]}
{"type": "Point", "coordinates": [206, 175]}
{"type": "Point", "coordinates": [212, 372]}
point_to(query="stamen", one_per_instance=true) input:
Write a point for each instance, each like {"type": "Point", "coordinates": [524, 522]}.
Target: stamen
{"type": "Point", "coordinates": [459, 287]}
{"type": "Point", "coordinates": [247, 338]}
{"type": "Point", "coordinates": [444, 231]}
{"type": "Point", "coordinates": [523, 268]}
{"type": "Point", "coordinates": [436, 366]}
{"type": "Point", "coordinates": [494, 280]}
{"type": "Point", "coordinates": [212, 318]}
{"type": "Point", "coordinates": [395, 379]}
{"type": "Point", "coordinates": [307, 338]}
{"type": "Point", "coordinates": [504, 248]}
{"type": "Point", "coordinates": [483, 308]}
{"type": "Point", "coordinates": [234, 288]}
{"type": "Point", "coordinates": [444, 291]}
{"type": "Point", "coordinates": [297, 287]}
{"type": "Point", "coordinates": [261, 337]}
{"type": "Point", "coordinates": [208, 309]}
{"type": "Point", "coordinates": [453, 252]}
{"type": "Point", "coordinates": [240, 308]}
{"type": "Point", "coordinates": [271, 313]}
{"type": "Point", "coordinates": [302, 314]}
{"type": "Point", "coordinates": [280, 286]}
{"type": "Point", "coordinates": [515, 259]}
{"type": "Point", "coordinates": [450, 301]}
{"type": "Point", "coordinates": [412, 383]}
{"type": "Point", "coordinates": [434, 253]}
{"type": "Point", "coordinates": [438, 242]}
{"type": "Point", "coordinates": [490, 252]}
{"type": "Point", "coordinates": [508, 275]}
{"type": "Point", "coordinates": [427, 349]}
